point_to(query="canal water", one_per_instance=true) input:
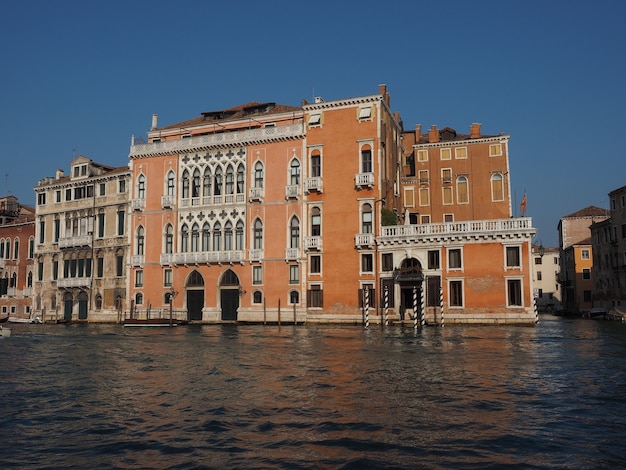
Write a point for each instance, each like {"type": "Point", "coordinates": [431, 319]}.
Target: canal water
{"type": "Point", "coordinates": [254, 396]}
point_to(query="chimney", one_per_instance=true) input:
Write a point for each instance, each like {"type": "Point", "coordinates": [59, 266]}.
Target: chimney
{"type": "Point", "coordinates": [59, 174]}
{"type": "Point", "coordinates": [155, 121]}
{"type": "Point", "coordinates": [433, 134]}
{"type": "Point", "coordinates": [475, 131]}
{"type": "Point", "coordinates": [418, 132]}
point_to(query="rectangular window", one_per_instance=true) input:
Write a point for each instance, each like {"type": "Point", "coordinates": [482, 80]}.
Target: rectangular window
{"type": "Point", "coordinates": [422, 155]}
{"type": "Point", "coordinates": [460, 153]}
{"type": "Point", "coordinates": [55, 270]}
{"type": "Point", "coordinates": [57, 230]}
{"type": "Point", "coordinates": [167, 278]}
{"type": "Point", "coordinates": [454, 258]}
{"type": "Point", "coordinates": [425, 219]}
{"type": "Point", "coordinates": [315, 297]}
{"type": "Point", "coordinates": [584, 254]}
{"type": "Point", "coordinates": [446, 154]}
{"type": "Point", "coordinates": [120, 223]}
{"type": "Point", "coordinates": [365, 113]}
{"type": "Point", "coordinates": [446, 194]}
{"type": "Point", "coordinates": [68, 194]}
{"type": "Point", "coordinates": [433, 259]}
{"type": "Point", "coordinates": [495, 150]}
{"type": "Point", "coordinates": [101, 225]}
{"type": "Point", "coordinates": [42, 231]}
{"type": "Point", "coordinates": [539, 276]}
{"type": "Point", "coordinates": [121, 186]}
{"type": "Point", "coordinates": [367, 263]}
{"type": "Point", "coordinates": [294, 274]}
{"type": "Point", "coordinates": [513, 257]}
{"type": "Point", "coordinates": [315, 264]}
{"type": "Point", "coordinates": [586, 296]}
{"type": "Point", "coordinates": [586, 273]}
{"type": "Point", "coordinates": [257, 275]}
{"type": "Point", "coordinates": [387, 259]}
{"type": "Point", "coordinates": [139, 278]}
{"type": "Point", "coordinates": [423, 176]}
{"type": "Point", "coordinates": [538, 260]}
{"type": "Point", "coordinates": [100, 267]}
{"type": "Point", "coordinates": [409, 196]}
{"type": "Point", "coordinates": [424, 196]}
{"type": "Point", "coordinates": [102, 191]}
{"type": "Point", "coordinates": [40, 271]}
{"type": "Point", "coordinates": [448, 217]}
{"type": "Point", "coordinates": [514, 290]}
{"type": "Point", "coordinates": [119, 262]}
{"type": "Point", "coordinates": [57, 196]}
{"type": "Point", "coordinates": [315, 119]}
{"type": "Point", "coordinates": [446, 175]}
{"type": "Point", "coordinates": [41, 199]}
{"type": "Point", "coordinates": [456, 293]}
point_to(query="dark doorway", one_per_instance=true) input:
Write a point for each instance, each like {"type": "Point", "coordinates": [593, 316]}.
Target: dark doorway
{"type": "Point", "coordinates": [229, 295]}
{"type": "Point", "coordinates": [68, 303]}
{"type": "Point", "coordinates": [83, 306]}
{"type": "Point", "coordinates": [195, 304]}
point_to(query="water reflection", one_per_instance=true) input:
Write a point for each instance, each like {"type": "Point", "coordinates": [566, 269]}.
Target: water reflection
{"type": "Point", "coordinates": [313, 396]}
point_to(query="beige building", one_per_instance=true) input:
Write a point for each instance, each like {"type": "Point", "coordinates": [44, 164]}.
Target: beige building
{"type": "Point", "coordinates": [81, 243]}
{"type": "Point", "coordinates": [609, 255]}
{"type": "Point", "coordinates": [547, 266]}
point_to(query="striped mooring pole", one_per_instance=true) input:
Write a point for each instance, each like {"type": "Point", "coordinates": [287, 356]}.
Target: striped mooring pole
{"type": "Point", "coordinates": [441, 304]}
{"type": "Point", "coordinates": [423, 305]}
{"type": "Point", "coordinates": [415, 307]}
{"type": "Point", "coordinates": [367, 307]}
{"type": "Point", "coordinates": [536, 310]}
{"type": "Point", "coordinates": [386, 305]}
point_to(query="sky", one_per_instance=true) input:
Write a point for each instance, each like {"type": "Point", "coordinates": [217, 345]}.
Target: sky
{"type": "Point", "coordinates": [82, 77]}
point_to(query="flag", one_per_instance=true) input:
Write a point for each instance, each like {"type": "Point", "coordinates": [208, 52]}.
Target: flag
{"type": "Point", "coordinates": [522, 205]}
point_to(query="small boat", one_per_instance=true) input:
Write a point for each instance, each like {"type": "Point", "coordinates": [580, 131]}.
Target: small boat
{"type": "Point", "coordinates": [4, 332]}
{"type": "Point", "coordinates": [4, 319]}
{"type": "Point", "coordinates": [596, 313]}
{"type": "Point", "coordinates": [153, 322]}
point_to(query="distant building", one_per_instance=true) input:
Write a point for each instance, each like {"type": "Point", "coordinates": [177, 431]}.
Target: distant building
{"type": "Point", "coordinates": [545, 277]}
{"type": "Point", "coordinates": [576, 254]}
{"type": "Point", "coordinates": [609, 255]}
{"type": "Point", "coordinates": [81, 243]}
{"type": "Point", "coordinates": [17, 237]}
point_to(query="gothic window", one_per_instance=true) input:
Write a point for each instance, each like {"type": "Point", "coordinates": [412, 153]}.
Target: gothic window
{"type": "Point", "coordinates": [195, 187]}
{"type": "Point", "coordinates": [195, 238]}
{"type": "Point", "coordinates": [294, 172]}
{"type": "Point", "coordinates": [185, 239]}
{"type": "Point", "coordinates": [366, 219]}
{"type": "Point", "coordinates": [217, 237]}
{"type": "Point", "coordinates": [171, 182]}
{"type": "Point", "coordinates": [258, 175]}
{"type": "Point", "coordinates": [229, 180]}
{"type": "Point", "coordinates": [294, 232]}
{"type": "Point", "coordinates": [239, 236]}
{"type": "Point", "coordinates": [228, 236]}
{"type": "Point", "coordinates": [186, 184]}
{"type": "Point", "coordinates": [218, 182]}
{"type": "Point", "coordinates": [206, 182]}
{"type": "Point", "coordinates": [240, 179]}
{"type": "Point", "coordinates": [140, 240]}
{"type": "Point", "coordinates": [169, 238]}
{"type": "Point", "coordinates": [258, 234]}
{"type": "Point", "coordinates": [141, 187]}
{"type": "Point", "coordinates": [206, 237]}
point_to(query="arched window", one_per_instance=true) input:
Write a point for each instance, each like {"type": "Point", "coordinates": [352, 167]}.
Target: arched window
{"type": "Point", "coordinates": [294, 172]}
{"type": "Point", "coordinates": [230, 188]}
{"type": "Point", "coordinates": [184, 246]}
{"type": "Point", "coordinates": [294, 233]}
{"type": "Point", "coordinates": [138, 298]}
{"type": "Point", "coordinates": [195, 186]}
{"type": "Point", "coordinates": [257, 297]}
{"type": "Point", "coordinates": [258, 175]}
{"type": "Point", "coordinates": [258, 234]}
{"type": "Point", "coordinates": [239, 236]}
{"type": "Point", "coordinates": [228, 236]}
{"type": "Point", "coordinates": [206, 237]}
{"type": "Point", "coordinates": [218, 182]}
{"type": "Point", "coordinates": [195, 238]}
{"type": "Point", "coordinates": [2, 248]}
{"type": "Point", "coordinates": [294, 297]}
{"type": "Point", "coordinates": [206, 182]}
{"type": "Point", "coordinates": [217, 236]}
{"type": "Point", "coordinates": [13, 280]}
{"type": "Point", "coordinates": [169, 239]}
{"type": "Point", "coordinates": [141, 187]}
{"type": "Point", "coordinates": [497, 187]}
{"type": "Point", "coordinates": [186, 184]}
{"type": "Point", "coordinates": [366, 218]}
{"type": "Point", "coordinates": [29, 281]}
{"type": "Point", "coordinates": [171, 183]}
{"type": "Point", "coordinates": [462, 192]}
{"type": "Point", "coordinates": [140, 240]}
{"type": "Point", "coordinates": [316, 222]}
{"type": "Point", "coordinates": [240, 179]}
{"type": "Point", "coordinates": [16, 248]}
{"type": "Point", "coordinates": [98, 302]}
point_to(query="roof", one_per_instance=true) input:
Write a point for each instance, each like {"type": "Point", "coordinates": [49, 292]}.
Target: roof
{"type": "Point", "coordinates": [242, 111]}
{"type": "Point", "coordinates": [590, 211]}
{"type": "Point", "coordinates": [448, 134]}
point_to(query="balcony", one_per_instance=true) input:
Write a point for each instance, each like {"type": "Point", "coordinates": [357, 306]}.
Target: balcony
{"type": "Point", "coordinates": [257, 194]}
{"type": "Point", "coordinates": [74, 282]}
{"type": "Point", "coordinates": [292, 191]}
{"type": "Point", "coordinates": [75, 242]}
{"type": "Point", "coordinates": [313, 184]}
{"type": "Point", "coordinates": [313, 243]}
{"type": "Point", "coordinates": [364, 240]}
{"type": "Point", "coordinates": [167, 259]}
{"type": "Point", "coordinates": [137, 261]}
{"type": "Point", "coordinates": [470, 229]}
{"type": "Point", "coordinates": [206, 257]}
{"type": "Point", "coordinates": [168, 202]}
{"type": "Point", "coordinates": [364, 180]}
{"type": "Point", "coordinates": [256, 255]}
{"type": "Point", "coordinates": [137, 204]}
{"type": "Point", "coordinates": [291, 254]}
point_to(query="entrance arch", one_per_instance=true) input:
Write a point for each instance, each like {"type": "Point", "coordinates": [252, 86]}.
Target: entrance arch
{"type": "Point", "coordinates": [83, 305]}
{"type": "Point", "coordinates": [68, 304]}
{"type": "Point", "coordinates": [410, 277]}
{"type": "Point", "coordinates": [229, 295]}
{"type": "Point", "coordinates": [195, 295]}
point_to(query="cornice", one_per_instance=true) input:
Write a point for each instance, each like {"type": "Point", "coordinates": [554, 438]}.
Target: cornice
{"type": "Point", "coordinates": [449, 143]}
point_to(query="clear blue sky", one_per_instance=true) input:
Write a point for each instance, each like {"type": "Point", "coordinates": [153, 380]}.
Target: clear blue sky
{"type": "Point", "coordinates": [81, 77]}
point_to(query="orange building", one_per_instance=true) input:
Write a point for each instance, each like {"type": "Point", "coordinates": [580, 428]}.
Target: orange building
{"type": "Point", "coordinates": [327, 212]}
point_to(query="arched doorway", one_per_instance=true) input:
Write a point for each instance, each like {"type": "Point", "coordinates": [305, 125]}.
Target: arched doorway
{"type": "Point", "coordinates": [68, 304]}
{"type": "Point", "coordinates": [229, 295]}
{"type": "Point", "coordinates": [83, 305]}
{"type": "Point", "coordinates": [410, 278]}
{"type": "Point", "coordinates": [195, 296]}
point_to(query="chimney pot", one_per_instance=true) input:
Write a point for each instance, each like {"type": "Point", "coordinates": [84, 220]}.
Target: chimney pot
{"type": "Point", "coordinates": [433, 134]}
{"type": "Point", "coordinates": [475, 130]}
{"type": "Point", "coordinates": [155, 122]}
